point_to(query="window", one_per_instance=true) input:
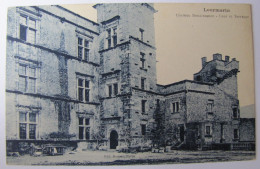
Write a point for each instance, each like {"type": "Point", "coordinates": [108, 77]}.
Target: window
{"type": "Point", "coordinates": [83, 90]}
{"type": "Point", "coordinates": [142, 83]}
{"type": "Point", "coordinates": [157, 102]}
{"type": "Point", "coordinates": [111, 37]}
{"type": "Point", "coordinates": [222, 131]}
{"type": "Point", "coordinates": [142, 59]}
{"type": "Point", "coordinates": [141, 34]}
{"type": "Point", "coordinates": [27, 125]}
{"type": "Point", "coordinates": [235, 113]}
{"type": "Point", "coordinates": [210, 105]}
{"type": "Point", "coordinates": [175, 107]}
{"type": "Point", "coordinates": [27, 29]}
{"type": "Point", "coordinates": [83, 49]}
{"type": "Point", "coordinates": [143, 106]}
{"type": "Point", "coordinates": [143, 128]}
{"type": "Point", "coordinates": [80, 48]}
{"type": "Point", "coordinates": [114, 36]}
{"type": "Point", "coordinates": [84, 128]}
{"type": "Point", "coordinates": [27, 79]}
{"type": "Point", "coordinates": [198, 78]}
{"type": "Point", "coordinates": [112, 90]}
{"type": "Point", "coordinates": [129, 124]}
{"type": "Point", "coordinates": [208, 130]}
{"type": "Point", "coordinates": [23, 30]}
{"type": "Point", "coordinates": [236, 134]}
{"type": "Point", "coordinates": [115, 89]}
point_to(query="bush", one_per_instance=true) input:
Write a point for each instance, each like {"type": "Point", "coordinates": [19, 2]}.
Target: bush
{"type": "Point", "coordinates": [24, 148]}
{"type": "Point", "coordinates": [61, 136]}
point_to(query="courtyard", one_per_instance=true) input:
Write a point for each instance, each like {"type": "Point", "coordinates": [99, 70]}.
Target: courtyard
{"type": "Point", "coordinates": [116, 158]}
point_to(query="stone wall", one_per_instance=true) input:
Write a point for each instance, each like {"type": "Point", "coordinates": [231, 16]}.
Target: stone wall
{"type": "Point", "coordinates": [247, 129]}
{"type": "Point", "coordinates": [137, 71]}
{"type": "Point", "coordinates": [54, 57]}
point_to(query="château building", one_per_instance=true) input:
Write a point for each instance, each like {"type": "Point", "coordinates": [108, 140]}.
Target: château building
{"type": "Point", "coordinates": [73, 80]}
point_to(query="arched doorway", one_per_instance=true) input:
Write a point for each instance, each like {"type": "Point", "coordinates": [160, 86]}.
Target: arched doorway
{"type": "Point", "coordinates": [113, 139]}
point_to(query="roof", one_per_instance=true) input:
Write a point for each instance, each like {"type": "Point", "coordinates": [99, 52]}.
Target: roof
{"type": "Point", "coordinates": [184, 81]}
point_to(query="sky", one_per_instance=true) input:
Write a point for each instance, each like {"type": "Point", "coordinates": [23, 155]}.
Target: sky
{"type": "Point", "coordinates": [181, 42]}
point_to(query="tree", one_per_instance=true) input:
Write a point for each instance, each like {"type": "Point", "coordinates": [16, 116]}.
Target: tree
{"type": "Point", "coordinates": [125, 134]}
{"type": "Point", "coordinates": [171, 133]}
{"type": "Point", "coordinates": [158, 131]}
{"type": "Point", "coordinates": [98, 134]}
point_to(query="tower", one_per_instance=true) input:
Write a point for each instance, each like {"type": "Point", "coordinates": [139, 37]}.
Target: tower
{"type": "Point", "coordinates": [128, 69]}
{"type": "Point", "coordinates": [220, 72]}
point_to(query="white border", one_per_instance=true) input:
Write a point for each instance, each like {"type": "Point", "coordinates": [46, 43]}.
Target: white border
{"type": "Point", "coordinates": [4, 4]}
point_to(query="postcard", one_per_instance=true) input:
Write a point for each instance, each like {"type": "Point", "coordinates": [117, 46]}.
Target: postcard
{"type": "Point", "coordinates": [129, 84]}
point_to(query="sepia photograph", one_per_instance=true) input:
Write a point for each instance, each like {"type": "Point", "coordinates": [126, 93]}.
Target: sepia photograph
{"type": "Point", "coordinates": [107, 84]}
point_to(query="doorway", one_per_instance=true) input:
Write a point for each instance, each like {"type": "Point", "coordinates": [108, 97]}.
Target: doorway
{"type": "Point", "coordinates": [182, 133]}
{"type": "Point", "coordinates": [113, 139]}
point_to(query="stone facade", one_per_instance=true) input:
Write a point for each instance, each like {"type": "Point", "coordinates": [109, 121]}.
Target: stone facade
{"type": "Point", "coordinates": [95, 83]}
{"type": "Point", "coordinates": [247, 129]}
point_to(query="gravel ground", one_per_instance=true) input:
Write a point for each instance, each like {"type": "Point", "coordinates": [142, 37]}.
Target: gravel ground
{"type": "Point", "coordinates": [115, 158]}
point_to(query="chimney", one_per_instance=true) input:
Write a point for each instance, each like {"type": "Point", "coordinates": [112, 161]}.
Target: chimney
{"type": "Point", "coordinates": [204, 61]}
{"type": "Point", "coordinates": [217, 56]}
{"type": "Point", "coordinates": [227, 58]}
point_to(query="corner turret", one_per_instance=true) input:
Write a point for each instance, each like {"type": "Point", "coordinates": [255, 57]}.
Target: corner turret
{"type": "Point", "coordinates": [216, 70]}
